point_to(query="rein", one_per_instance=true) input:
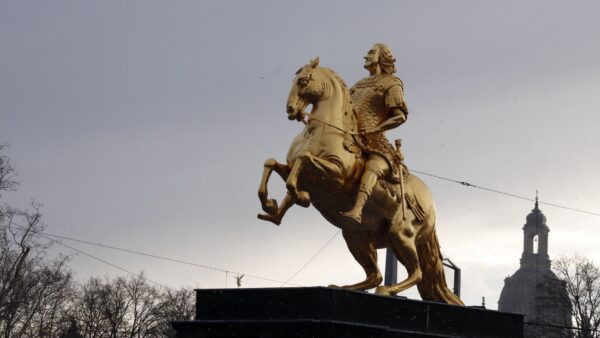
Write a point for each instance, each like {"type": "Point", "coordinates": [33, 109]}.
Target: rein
{"type": "Point", "coordinates": [334, 126]}
{"type": "Point", "coordinates": [331, 125]}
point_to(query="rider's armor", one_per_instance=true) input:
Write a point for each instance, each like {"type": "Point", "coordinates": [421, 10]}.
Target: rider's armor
{"type": "Point", "coordinates": [373, 97]}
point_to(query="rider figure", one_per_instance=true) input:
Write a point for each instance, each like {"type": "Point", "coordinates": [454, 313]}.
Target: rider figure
{"type": "Point", "coordinates": [379, 104]}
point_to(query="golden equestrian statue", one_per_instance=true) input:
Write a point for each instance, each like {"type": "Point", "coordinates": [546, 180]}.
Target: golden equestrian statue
{"type": "Point", "coordinates": [343, 165]}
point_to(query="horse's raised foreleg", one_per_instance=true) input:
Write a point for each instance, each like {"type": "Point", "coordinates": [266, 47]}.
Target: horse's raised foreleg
{"type": "Point", "coordinates": [270, 205]}
{"type": "Point", "coordinates": [287, 202]}
{"type": "Point", "coordinates": [402, 243]}
{"type": "Point", "coordinates": [283, 170]}
{"type": "Point", "coordinates": [300, 197]}
{"type": "Point", "coordinates": [365, 254]}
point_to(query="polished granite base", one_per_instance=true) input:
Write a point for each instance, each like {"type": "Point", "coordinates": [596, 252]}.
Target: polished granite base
{"type": "Point", "coordinates": [327, 312]}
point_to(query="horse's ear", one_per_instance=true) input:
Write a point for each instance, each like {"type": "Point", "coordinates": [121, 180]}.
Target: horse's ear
{"type": "Point", "coordinates": [314, 63]}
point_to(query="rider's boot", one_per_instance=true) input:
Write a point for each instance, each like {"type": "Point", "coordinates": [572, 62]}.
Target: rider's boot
{"type": "Point", "coordinates": [367, 182]}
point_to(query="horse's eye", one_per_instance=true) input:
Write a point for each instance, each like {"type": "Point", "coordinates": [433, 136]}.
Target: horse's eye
{"type": "Point", "coordinates": [303, 82]}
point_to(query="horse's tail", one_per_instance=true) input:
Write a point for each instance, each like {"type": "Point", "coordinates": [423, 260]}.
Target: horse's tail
{"type": "Point", "coordinates": [433, 285]}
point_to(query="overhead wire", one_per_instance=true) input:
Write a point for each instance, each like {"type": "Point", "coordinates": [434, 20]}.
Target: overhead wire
{"type": "Point", "coordinates": [470, 185]}
{"type": "Point", "coordinates": [311, 258]}
{"type": "Point", "coordinates": [227, 271]}
{"type": "Point", "coordinates": [105, 262]}
{"type": "Point", "coordinates": [39, 234]}
{"type": "Point", "coordinates": [175, 260]}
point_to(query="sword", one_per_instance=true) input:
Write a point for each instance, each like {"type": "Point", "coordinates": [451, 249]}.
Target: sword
{"type": "Point", "coordinates": [398, 143]}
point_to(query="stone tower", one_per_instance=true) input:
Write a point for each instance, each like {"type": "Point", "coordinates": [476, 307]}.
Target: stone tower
{"type": "Point", "coordinates": [533, 288]}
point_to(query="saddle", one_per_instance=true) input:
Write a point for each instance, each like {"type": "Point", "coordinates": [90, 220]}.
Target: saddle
{"type": "Point", "coordinates": [394, 157]}
{"type": "Point", "coordinates": [410, 200]}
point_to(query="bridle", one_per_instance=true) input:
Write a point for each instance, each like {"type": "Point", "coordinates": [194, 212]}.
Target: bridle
{"type": "Point", "coordinates": [311, 117]}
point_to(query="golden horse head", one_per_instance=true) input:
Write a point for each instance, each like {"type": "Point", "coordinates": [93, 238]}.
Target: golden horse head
{"type": "Point", "coordinates": [306, 89]}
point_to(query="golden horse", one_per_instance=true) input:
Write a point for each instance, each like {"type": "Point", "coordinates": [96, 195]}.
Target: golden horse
{"type": "Point", "coordinates": [324, 167]}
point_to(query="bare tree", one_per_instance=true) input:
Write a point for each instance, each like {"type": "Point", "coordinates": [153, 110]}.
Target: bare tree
{"type": "Point", "coordinates": [14, 251]}
{"type": "Point", "coordinates": [129, 307]}
{"type": "Point", "coordinates": [34, 292]}
{"type": "Point", "coordinates": [88, 309]}
{"type": "Point", "coordinates": [100, 308]}
{"type": "Point", "coordinates": [116, 303]}
{"type": "Point", "coordinates": [72, 331]}
{"type": "Point", "coordinates": [7, 171]}
{"type": "Point", "coordinates": [39, 298]}
{"type": "Point", "coordinates": [177, 305]}
{"type": "Point", "coordinates": [45, 313]}
{"type": "Point", "coordinates": [582, 282]}
{"type": "Point", "coordinates": [145, 311]}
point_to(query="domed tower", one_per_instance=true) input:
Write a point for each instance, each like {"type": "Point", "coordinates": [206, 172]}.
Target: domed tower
{"type": "Point", "coordinates": [533, 289]}
{"type": "Point", "coordinates": [535, 242]}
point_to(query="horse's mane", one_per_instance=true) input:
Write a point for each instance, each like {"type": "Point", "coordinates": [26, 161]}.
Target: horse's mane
{"type": "Point", "coordinates": [331, 73]}
{"type": "Point", "coordinates": [335, 76]}
{"type": "Point", "coordinates": [347, 102]}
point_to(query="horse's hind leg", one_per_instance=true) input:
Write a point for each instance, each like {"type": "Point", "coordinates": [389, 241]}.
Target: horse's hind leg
{"type": "Point", "coordinates": [365, 254]}
{"type": "Point", "coordinates": [287, 202]}
{"type": "Point", "coordinates": [270, 205]}
{"type": "Point", "coordinates": [402, 243]}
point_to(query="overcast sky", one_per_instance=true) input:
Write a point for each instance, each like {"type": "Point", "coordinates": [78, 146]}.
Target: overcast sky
{"type": "Point", "coordinates": [144, 125]}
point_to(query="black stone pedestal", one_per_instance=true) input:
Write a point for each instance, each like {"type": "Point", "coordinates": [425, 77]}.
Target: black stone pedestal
{"type": "Point", "coordinates": [336, 313]}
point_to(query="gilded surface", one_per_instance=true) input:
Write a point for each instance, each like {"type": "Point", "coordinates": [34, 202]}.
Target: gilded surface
{"type": "Point", "coordinates": [372, 97]}
{"type": "Point", "coordinates": [327, 169]}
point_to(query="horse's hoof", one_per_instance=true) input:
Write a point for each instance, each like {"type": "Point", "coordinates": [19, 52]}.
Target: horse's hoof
{"type": "Point", "coordinates": [382, 291]}
{"type": "Point", "coordinates": [303, 199]}
{"type": "Point", "coordinates": [270, 206]}
{"type": "Point", "coordinates": [267, 217]}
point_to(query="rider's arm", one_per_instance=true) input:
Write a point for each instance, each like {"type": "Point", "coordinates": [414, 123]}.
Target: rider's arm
{"type": "Point", "coordinates": [394, 101]}
{"type": "Point", "coordinates": [397, 117]}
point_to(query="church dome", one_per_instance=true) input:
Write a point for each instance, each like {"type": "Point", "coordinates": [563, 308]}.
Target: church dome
{"type": "Point", "coordinates": [532, 289]}
{"type": "Point", "coordinates": [536, 216]}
